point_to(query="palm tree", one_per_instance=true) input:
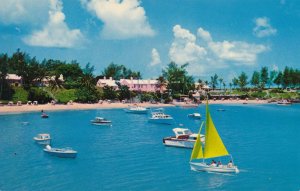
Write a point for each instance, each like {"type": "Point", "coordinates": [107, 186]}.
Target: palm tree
{"type": "Point", "coordinates": [221, 82]}
{"type": "Point", "coordinates": [214, 81]}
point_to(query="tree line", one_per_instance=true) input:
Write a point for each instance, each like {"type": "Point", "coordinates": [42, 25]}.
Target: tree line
{"type": "Point", "coordinates": [288, 78]}
{"type": "Point", "coordinates": [80, 82]}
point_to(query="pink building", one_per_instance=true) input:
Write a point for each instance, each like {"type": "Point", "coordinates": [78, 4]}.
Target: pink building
{"type": "Point", "coordinates": [140, 85]}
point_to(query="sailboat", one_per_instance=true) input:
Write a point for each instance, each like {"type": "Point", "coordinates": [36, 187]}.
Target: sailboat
{"type": "Point", "coordinates": [212, 148]}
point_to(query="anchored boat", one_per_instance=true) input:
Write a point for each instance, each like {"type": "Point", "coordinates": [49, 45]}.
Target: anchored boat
{"type": "Point", "coordinates": [137, 110]}
{"type": "Point", "coordinates": [195, 115]}
{"type": "Point", "coordinates": [101, 121]}
{"type": "Point", "coordinates": [183, 138]}
{"type": "Point", "coordinates": [43, 139]}
{"type": "Point", "coordinates": [63, 153]}
{"type": "Point", "coordinates": [159, 117]}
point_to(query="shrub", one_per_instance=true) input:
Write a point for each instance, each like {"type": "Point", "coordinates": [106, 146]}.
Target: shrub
{"type": "Point", "coordinates": [20, 95]}
{"type": "Point", "coordinates": [64, 95]}
{"type": "Point", "coordinates": [87, 95]}
{"type": "Point", "coordinates": [38, 94]}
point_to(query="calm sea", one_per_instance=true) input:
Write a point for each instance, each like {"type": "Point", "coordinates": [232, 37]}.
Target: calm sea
{"type": "Point", "coordinates": [263, 139]}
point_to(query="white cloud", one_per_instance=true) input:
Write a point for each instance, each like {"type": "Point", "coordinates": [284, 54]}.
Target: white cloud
{"type": "Point", "coordinates": [205, 35]}
{"type": "Point", "coordinates": [122, 19]}
{"type": "Point", "coordinates": [205, 54]}
{"type": "Point", "coordinates": [155, 57]}
{"type": "Point", "coordinates": [237, 51]}
{"type": "Point", "coordinates": [55, 33]}
{"type": "Point", "coordinates": [20, 11]}
{"type": "Point", "coordinates": [184, 48]}
{"type": "Point", "coordinates": [263, 27]}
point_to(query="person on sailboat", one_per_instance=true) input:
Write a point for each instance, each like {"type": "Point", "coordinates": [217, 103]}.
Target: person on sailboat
{"type": "Point", "coordinates": [230, 165]}
{"type": "Point", "coordinates": [213, 163]}
{"type": "Point", "coordinates": [219, 164]}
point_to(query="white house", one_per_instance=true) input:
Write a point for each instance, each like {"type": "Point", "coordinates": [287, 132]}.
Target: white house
{"type": "Point", "coordinates": [107, 82]}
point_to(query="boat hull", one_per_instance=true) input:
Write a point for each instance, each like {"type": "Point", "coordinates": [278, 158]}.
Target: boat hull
{"type": "Point", "coordinates": [207, 168]}
{"type": "Point", "coordinates": [178, 143]}
{"type": "Point", "coordinates": [161, 121]}
{"type": "Point", "coordinates": [102, 124]}
{"type": "Point", "coordinates": [136, 111]}
{"type": "Point", "coordinates": [72, 154]}
{"type": "Point", "coordinates": [43, 142]}
{"type": "Point", "coordinates": [194, 117]}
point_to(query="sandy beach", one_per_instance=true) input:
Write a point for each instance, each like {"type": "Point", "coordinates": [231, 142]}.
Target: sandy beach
{"type": "Point", "coordinates": [78, 106]}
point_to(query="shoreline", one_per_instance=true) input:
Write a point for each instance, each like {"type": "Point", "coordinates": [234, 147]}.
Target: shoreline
{"type": "Point", "coordinates": [79, 106]}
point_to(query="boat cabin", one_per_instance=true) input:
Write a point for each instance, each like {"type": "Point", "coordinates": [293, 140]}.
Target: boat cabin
{"type": "Point", "coordinates": [43, 136]}
{"type": "Point", "coordinates": [182, 133]}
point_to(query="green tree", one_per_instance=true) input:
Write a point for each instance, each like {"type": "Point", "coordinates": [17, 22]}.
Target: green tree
{"type": "Point", "coordinates": [113, 70]}
{"type": "Point", "coordinates": [124, 92]}
{"type": "Point", "coordinates": [109, 93]}
{"type": "Point", "coordinates": [87, 92]}
{"type": "Point", "coordinates": [255, 79]}
{"type": "Point", "coordinates": [120, 71]}
{"type": "Point", "coordinates": [235, 82]}
{"type": "Point", "coordinates": [221, 82]}
{"type": "Point", "coordinates": [28, 68]}
{"type": "Point", "coordinates": [178, 79]}
{"type": "Point", "coordinates": [214, 81]}
{"type": "Point", "coordinates": [264, 77]}
{"type": "Point", "coordinates": [3, 74]}
{"type": "Point", "coordinates": [286, 78]}
{"type": "Point", "coordinates": [273, 74]}
{"type": "Point", "coordinates": [278, 79]}
{"type": "Point", "coordinates": [242, 80]}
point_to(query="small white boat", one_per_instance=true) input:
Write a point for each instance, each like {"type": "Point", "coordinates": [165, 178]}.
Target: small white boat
{"type": "Point", "coordinates": [63, 153]}
{"type": "Point", "coordinates": [160, 117]}
{"type": "Point", "coordinates": [284, 102]}
{"type": "Point", "coordinates": [43, 139]}
{"type": "Point", "coordinates": [214, 168]}
{"type": "Point", "coordinates": [101, 121]}
{"type": "Point", "coordinates": [183, 138]}
{"type": "Point", "coordinates": [195, 115]}
{"type": "Point", "coordinates": [137, 110]}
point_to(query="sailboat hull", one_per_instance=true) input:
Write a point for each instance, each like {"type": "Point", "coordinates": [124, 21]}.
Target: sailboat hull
{"type": "Point", "coordinates": [207, 168]}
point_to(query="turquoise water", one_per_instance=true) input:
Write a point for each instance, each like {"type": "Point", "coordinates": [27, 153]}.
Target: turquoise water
{"type": "Point", "coordinates": [263, 139]}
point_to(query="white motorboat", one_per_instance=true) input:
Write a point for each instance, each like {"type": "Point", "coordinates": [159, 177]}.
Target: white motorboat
{"type": "Point", "coordinates": [43, 139]}
{"type": "Point", "coordinates": [160, 117]}
{"type": "Point", "coordinates": [63, 153]}
{"type": "Point", "coordinates": [183, 138]}
{"type": "Point", "coordinates": [137, 110]}
{"type": "Point", "coordinates": [101, 121]}
{"type": "Point", "coordinates": [195, 115]}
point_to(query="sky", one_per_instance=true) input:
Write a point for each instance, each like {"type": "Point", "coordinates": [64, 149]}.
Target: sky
{"type": "Point", "coordinates": [224, 37]}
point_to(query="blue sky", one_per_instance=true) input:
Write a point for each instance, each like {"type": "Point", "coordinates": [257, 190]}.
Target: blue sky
{"type": "Point", "coordinates": [214, 36]}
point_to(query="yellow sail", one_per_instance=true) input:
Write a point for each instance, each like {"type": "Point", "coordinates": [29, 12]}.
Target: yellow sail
{"type": "Point", "coordinates": [197, 152]}
{"type": "Point", "coordinates": [214, 146]}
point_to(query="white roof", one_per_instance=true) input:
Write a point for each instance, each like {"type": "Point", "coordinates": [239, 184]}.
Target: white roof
{"type": "Point", "coordinates": [129, 81]}
{"type": "Point", "coordinates": [176, 130]}
{"type": "Point", "coordinates": [108, 82]}
{"type": "Point", "coordinates": [13, 77]}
